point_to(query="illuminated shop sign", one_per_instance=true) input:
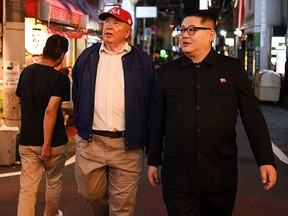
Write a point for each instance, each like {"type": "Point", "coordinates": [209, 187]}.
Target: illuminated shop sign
{"type": "Point", "coordinates": [36, 41]}
{"type": "Point", "coordinates": [35, 36]}
{"type": "Point", "coordinates": [62, 16]}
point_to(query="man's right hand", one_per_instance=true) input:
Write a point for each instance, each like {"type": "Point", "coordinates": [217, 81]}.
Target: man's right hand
{"type": "Point", "coordinates": [153, 175]}
{"type": "Point", "coordinates": [45, 153]}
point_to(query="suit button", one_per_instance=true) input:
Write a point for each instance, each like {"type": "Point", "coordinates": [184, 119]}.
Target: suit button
{"type": "Point", "coordinates": [198, 130]}
{"type": "Point", "coordinates": [198, 107]}
{"type": "Point", "coordinates": [197, 86]}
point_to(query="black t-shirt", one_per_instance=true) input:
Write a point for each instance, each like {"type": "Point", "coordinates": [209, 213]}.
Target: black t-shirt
{"type": "Point", "coordinates": [37, 84]}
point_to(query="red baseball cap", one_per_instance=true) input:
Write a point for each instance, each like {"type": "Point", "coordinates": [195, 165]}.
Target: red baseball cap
{"type": "Point", "coordinates": [119, 13]}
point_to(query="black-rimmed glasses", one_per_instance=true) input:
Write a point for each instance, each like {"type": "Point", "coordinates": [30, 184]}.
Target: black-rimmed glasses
{"type": "Point", "coordinates": [191, 30]}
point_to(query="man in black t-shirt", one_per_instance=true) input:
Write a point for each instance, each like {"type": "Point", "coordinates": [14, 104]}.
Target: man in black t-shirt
{"type": "Point", "coordinates": [41, 89]}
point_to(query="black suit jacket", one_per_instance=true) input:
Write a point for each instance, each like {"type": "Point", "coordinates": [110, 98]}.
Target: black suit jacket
{"type": "Point", "coordinates": [193, 120]}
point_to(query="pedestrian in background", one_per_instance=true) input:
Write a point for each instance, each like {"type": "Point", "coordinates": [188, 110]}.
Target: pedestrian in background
{"type": "Point", "coordinates": [112, 85]}
{"type": "Point", "coordinates": [67, 106]}
{"type": "Point", "coordinates": [194, 112]}
{"type": "Point", "coordinates": [156, 60]}
{"type": "Point", "coordinates": [41, 89]}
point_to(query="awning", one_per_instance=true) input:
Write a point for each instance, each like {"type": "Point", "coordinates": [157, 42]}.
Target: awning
{"type": "Point", "coordinates": [64, 17]}
{"type": "Point", "coordinates": [67, 34]}
{"type": "Point", "coordinates": [65, 5]}
{"type": "Point", "coordinates": [54, 29]}
{"type": "Point", "coordinates": [81, 5]}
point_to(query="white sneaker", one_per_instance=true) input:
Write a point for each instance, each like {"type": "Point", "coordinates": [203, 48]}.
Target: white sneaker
{"type": "Point", "coordinates": [60, 213]}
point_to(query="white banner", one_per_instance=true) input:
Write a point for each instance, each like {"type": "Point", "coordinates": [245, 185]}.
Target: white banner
{"type": "Point", "coordinates": [11, 74]}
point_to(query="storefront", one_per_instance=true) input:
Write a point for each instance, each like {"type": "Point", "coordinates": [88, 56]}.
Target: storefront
{"type": "Point", "coordinates": [47, 17]}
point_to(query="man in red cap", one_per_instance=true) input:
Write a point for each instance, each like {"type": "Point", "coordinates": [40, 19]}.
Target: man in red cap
{"type": "Point", "coordinates": [112, 85]}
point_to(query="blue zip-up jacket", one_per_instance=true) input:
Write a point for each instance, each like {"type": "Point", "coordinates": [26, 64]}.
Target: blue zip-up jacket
{"type": "Point", "coordinates": [139, 78]}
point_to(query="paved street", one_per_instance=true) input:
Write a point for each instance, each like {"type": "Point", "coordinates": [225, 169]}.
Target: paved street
{"type": "Point", "coordinates": [251, 200]}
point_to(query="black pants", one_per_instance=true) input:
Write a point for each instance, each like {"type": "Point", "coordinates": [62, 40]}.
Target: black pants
{"type": "Point", "coordinates": [203, 204]}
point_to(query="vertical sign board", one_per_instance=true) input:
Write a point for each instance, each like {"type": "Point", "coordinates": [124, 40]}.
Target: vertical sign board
{"type": "Point", "coordinates": [250, 16]}
{"type": "Point", "coordinates": [250, 42]}
{"type": "Point", "coordinates": [257, 51]}
{"type": "Point", "coordinates": [35, 41]}
{"type": "Point", "coordinates": [250, 50]}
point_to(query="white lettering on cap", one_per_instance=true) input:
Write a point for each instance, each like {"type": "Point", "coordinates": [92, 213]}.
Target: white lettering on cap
{"type": "Point", "coordinates": [115, 11]}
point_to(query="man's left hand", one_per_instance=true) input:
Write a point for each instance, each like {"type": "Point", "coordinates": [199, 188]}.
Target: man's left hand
{"type": "Point", "coordinates": [268, 175]}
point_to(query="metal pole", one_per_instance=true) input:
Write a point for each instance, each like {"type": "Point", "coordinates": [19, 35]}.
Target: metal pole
{"type": "Point", "coordinates": [144, 37]}
{"type": "Point", "coordinates": [236, 46]}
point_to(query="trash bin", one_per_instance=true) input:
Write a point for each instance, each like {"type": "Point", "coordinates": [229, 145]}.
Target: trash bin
{"type": "Point", "coordinates": [8, 145]}
{"type": "Point", "coordinates": [267, 85]}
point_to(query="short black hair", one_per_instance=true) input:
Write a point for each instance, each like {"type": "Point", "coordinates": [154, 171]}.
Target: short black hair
{"type": "Point", "coordinates": [205, 15]}
{"type": "Point", "coordinates": [55, 46]}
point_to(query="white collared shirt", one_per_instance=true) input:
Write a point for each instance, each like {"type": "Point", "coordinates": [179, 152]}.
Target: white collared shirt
{"type": "Point", "coordinates": [109, 103]}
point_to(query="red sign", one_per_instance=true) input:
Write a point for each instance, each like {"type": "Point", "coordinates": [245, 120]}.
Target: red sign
{"type": "Point", "coordinates": [62, 16]}
{"type": "Point", "coordinates": [75, 19]}
{"type": "Point", "coordinates": [31, 8]}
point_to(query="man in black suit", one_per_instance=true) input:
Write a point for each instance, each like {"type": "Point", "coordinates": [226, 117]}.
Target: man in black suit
{"type": "Point", "coordinates": [193, 118]}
